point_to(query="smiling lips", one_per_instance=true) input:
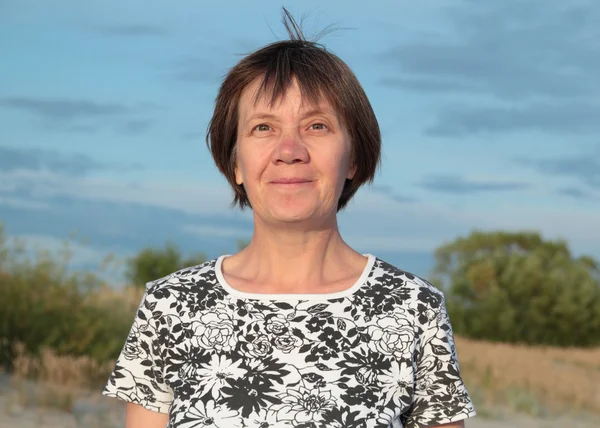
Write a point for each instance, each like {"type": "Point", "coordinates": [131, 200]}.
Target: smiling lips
{"type": "Point", "coordinates": [291, 182]}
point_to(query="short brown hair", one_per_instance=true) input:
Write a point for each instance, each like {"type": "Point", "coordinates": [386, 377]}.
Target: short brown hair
{"type": "Point", "coordinates": [318, 72]}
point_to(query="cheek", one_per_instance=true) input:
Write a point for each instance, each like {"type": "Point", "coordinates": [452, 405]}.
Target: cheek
{"type": "Point", "coordinates": [241, 161]}
{"type": "Point", "coordinates": [338, 163]}
{"type": "Point", "coordinates": [250, 164]}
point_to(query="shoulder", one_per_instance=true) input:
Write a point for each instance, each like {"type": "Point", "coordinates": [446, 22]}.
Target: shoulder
{"type": "Point", "coordinates": [192, 276]}
{"type": "Point", "coordinates": [419, 289]}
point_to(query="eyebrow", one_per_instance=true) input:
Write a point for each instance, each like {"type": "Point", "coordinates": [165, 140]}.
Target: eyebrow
{"type": "Point", "coordinates": [320, 111]}
{"type": "Point", "coordinates": [261, 116]}
{"type": "Point", "coordinates": [312, 112]}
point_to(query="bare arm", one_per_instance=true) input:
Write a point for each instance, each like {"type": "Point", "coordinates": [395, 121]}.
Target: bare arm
{"type": "Point", "coordinates": [140, 417]}
{"type": "Point", "coordinates": [457, 424]}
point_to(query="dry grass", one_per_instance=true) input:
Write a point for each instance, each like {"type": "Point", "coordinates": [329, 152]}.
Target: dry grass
{"type": "Point", "coordinates": [528, 377]}
{"type": "Point", "coordinates": [55, 381]}
{"type": "Point", "coordinates": [128, 298]}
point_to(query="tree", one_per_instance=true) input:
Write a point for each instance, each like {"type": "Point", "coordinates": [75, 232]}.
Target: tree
{"type": "Point", "coordinates": [150, 264]}
{"type": "Point", "coordinates": [517, 287]}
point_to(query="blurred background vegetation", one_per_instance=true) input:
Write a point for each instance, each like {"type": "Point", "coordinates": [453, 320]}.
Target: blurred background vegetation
{"type": "Point", "coordinates": [502, 288]}
{"type": "Point", "coordinates": [519, 288]}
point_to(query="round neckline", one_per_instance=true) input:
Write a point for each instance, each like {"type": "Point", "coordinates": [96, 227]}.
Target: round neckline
{"type": "Point", "coordinates": [293, 296]}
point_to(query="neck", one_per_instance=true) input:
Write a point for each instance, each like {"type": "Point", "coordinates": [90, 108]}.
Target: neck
{"type": "Point", "coordinates": [296, 260]}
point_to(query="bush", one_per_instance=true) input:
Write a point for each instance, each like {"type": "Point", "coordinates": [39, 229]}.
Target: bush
{"type": "Point", "coordinates": [150, 264]}
{"type": "Point", "coordinates": [516, 287]}
{"type": "Point", "coordinates": [42, 305]}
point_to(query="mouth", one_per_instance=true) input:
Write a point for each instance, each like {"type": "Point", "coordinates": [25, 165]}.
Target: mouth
{"type": "Point", "coordinates": [291, 184]}
{"type": "Point", "coordinates": [291, 181]}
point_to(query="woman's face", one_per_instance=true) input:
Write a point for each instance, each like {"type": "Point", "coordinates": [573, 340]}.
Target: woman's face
{"type": "Point", "coordinates": [292, 158]}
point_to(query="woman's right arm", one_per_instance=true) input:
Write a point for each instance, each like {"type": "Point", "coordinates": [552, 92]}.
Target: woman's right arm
{"type": "Point", "coordinates": [138, 377]}
{"type": "Point", "coordinates": [140, 417]}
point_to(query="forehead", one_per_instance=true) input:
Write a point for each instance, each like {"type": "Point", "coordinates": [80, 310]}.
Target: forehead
{"type": "Point", "coordinates": [260, 97]}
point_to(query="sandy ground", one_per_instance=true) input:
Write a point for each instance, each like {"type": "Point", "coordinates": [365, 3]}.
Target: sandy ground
{"type": "Point", "coordinates": [95, 411]}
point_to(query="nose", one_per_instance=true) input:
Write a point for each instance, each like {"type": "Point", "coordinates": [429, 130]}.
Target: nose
{"type": "Point", "coordinates": [290, 149]}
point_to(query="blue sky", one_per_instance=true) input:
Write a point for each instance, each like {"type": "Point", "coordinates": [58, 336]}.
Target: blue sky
{"type": "Point", "coordinates": [490, 116]}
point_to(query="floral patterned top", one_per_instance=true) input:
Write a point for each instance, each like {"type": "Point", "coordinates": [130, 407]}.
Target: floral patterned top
{"type": "Point", "coordinates": [379, 354]}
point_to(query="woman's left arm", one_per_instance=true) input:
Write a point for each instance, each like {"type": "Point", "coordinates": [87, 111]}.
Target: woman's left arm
{"type": "Point", "coordinates": [459, 424]}
{"type": "Point", "coordinates": [440, 397]}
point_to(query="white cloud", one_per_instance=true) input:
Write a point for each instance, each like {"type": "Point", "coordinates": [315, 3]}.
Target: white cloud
{"type": "Point", "coordinates": [80, 254]}
{"type": "Point", "coordinates": [107, 267]}
{"type": "Point", "coordinates": [190, 198]}
{"type": "Point", "coordinates": [580, 228]}
{"type": "Point", "coordinates": [391, 243]}
{"type": "Point", "coordinates": [23, 203]}
{"type": "Point", "coordinates": [377, 221]}
{"type": "Point", "coordinates": [372, 220]}
{"type": "Point", "coordinates": [206, 231]}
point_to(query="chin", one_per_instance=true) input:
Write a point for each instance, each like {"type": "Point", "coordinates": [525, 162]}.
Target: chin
{"type": "Point", "coordinates": [293, 214]}
{"type": "Point", "coordinates": [291, 217]}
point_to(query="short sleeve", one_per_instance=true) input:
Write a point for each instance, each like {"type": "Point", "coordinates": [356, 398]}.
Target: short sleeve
{"type": "Point", "coordinates": [138, 375]}
{"type": "Point", "coordinates": [440, 395]}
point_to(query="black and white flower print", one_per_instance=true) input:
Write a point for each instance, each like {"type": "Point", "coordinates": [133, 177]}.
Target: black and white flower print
{"type": "Point", "coordinates": [214, 330]}
{"type": "Point", "coordinates": [382, 355]}
{"type": "Point", "coordinates": [208, 413]}
{"type": "Point", "coordinates": [213, 376]}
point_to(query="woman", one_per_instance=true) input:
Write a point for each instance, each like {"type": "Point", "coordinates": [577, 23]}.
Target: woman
{"type": "Point", "coordinates": [298, 329]}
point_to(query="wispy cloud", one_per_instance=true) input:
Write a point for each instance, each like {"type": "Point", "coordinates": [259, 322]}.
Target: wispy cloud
{"type": "Point", "coordinates": [23, 162]}
{"type": "Point", "coordinates": [133, 30]}
{"type": "Point", "coordinates": [64, 109]}
{"type": "Point", "coordinates": [135, 126]}
{"type": "Point", "coordinates": [585, 168]}
{"type": "Point", "coordinates": [81, 254]}
{"type": "Point", "coordinates": [111, 213]}
{"type": "Point", "coordinates": [578, 193]}
{"type": "Point", "coordinates": [224, 232]}
{"type": "Point", "coordinates": [107, 216]}
{"type": "Point", "coordinates": [389, 192]}
{"type": "Point", "coordinates": [420, 84]}
{"type": "Point", "coordinates": [523, 54]}
{"type": "Point", "coordinates": [21, 203]}
{"type": "Point", "coordinates": [188, 198]}
{"type": "Point", "coordinates": [13, 159]}
{"type": "Point", "coordinates": [570, 117]}
{"type": "Point", "coordinates": [511, 49]}
{"type": "Point", "coordinates": [196, 69]}
{"type": "Point", "coordinates": [84, 116]}
{"type": "Point", "coordinates": [458, 184]}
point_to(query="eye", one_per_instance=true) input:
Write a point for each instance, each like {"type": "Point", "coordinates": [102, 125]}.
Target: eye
{"type": "Point", "coordinates": [318, 126]}
{"type": "Point", "coordinates": [262, 127]}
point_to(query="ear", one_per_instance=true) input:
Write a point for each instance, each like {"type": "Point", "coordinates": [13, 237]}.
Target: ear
{"type": "Point", "coordinates": [238, 176]}
{"type": "Point", "coordinates": [351, 172]}
{"type": "Point", "coordinates": [239, 180]}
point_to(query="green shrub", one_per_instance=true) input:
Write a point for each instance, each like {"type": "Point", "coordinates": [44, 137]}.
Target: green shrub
{"type": "Point", "coordinates": [150, 264]}
{"type": "Point", "coordinates": [44, 305]}
{"type": "Point", "coordinates": [518, 288]}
